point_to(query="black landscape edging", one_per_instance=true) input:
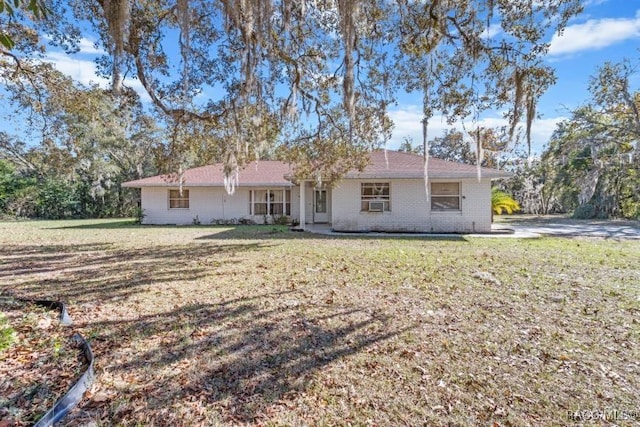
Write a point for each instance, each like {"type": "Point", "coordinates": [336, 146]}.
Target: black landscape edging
{"type": "Point", "coordinates": [62, 407]}
{"type": "Point", "coordinates": [65, 319]}
{"type": "Point", "coordinates": [75, 393]}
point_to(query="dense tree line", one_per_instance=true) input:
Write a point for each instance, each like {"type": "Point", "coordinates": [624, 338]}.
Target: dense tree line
{"type": "Point", "coordinates": [591, 166]}
{"type": "Point", "coordinates": [83, 143]}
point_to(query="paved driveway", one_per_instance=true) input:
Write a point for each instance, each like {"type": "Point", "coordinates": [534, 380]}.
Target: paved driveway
{"type": "Point", "coordinates": [563, 226]}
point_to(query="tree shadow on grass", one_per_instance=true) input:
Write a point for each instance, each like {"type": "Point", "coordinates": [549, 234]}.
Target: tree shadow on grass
{"type": "Point", "coordinates": [238, 358]}
{"type": "Point", "coordinates": [265, 232]}
{"type": "Point", "coordinates": [99, 225]}
{"type": "Point", "coordinates": [92, 272]}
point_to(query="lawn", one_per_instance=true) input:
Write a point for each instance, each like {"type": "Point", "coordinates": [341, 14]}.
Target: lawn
{"type": "Point", "coordinates": [257, 325]}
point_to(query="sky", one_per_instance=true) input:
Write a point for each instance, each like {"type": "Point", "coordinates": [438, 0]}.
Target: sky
{"type": "Point", "coordinates": [607, 30]}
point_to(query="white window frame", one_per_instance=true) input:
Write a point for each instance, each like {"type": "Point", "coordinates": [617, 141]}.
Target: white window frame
{"type": "Point", "coordinates": [443, 195]}
{"type": "Point", "coordinates": [179, 197]}
{"type": "Point", "coordinates": [375, 192]}
{"type": "Point", "coordinates": [270, 204]}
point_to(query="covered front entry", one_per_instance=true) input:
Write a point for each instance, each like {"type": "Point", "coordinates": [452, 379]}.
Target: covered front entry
{"type": "Point", "coordinates": [315, 204]}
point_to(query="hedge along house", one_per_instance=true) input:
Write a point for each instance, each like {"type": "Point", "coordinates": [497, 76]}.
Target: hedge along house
{"type": "Point", "coordinates": [388, 195]}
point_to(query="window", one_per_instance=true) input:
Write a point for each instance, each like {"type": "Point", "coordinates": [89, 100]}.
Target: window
{"type": "Point", "coordinates": [375, 197]}
{"type": "Point", "coordinates": [270, 202]}
{"type": "Point", "coordinates": [321, 201]}
{"type": "Point", "coordinates": [260, 202]}
{"type": "Point", "coordinates": [178, 200]}
{"type": "Point", "coordinates": [445, 196]}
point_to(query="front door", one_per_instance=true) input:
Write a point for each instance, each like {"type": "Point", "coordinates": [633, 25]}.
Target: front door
{"type": "Point", "coordinates": [320, 206]}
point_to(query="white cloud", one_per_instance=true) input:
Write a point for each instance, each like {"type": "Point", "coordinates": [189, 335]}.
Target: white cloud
{"type": "Point", "coordinates": [87, 46]}
{"type": "Point", "coordinates": [408, 124]}
{"type": "Point", "coordinates": [84, 71]}
{"type": "Point", "coordinates": [589, 3]}
{"type": "Point", "coordinates": [542, 129]}
{"type": "Point", "coordinates": [595, 34]}
{"type": "Point", "coordinates": [80, 70]}
{"type": "Point", "coordinates": [491, 31]}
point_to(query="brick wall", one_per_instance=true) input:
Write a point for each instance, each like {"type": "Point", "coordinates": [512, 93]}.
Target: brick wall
{"type": "Point", "coordinates": [205, 203]}
{"type": "Point", "coordinates": [410, 210]}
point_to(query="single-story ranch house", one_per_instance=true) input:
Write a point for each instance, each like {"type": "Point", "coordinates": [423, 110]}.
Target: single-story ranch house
{"type": "Point", "coordinates": [388, 195]}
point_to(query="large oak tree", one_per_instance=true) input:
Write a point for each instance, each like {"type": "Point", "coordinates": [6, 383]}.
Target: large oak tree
{"type": "Point", "coordinates": [314, 76]}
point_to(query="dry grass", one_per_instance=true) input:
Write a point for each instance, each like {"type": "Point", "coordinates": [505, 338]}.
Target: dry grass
{"type": "Point", "coordinates": [260, 326]}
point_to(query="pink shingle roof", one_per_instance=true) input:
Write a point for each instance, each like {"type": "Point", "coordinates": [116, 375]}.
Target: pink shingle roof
{"type": "Point", "coordinates": [396, 164]}
{"type": "Point", "coordinates": [263, 172]}
{"type": "Point", "coordinates": [383, 165]}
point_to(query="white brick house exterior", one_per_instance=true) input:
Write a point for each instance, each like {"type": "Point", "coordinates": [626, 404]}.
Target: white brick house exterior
{"type": "Point", "coordinates": [207, 205]}
{"type": "Point", "coordinates": [411, 211]}
{"type": "Point", "coordinates": [389, 195]}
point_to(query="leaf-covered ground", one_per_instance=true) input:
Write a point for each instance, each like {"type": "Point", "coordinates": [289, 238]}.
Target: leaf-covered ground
{"type": "Point", "coordinates": [39, 367]}
{"type": "Point", "coordinates": [262, 326]}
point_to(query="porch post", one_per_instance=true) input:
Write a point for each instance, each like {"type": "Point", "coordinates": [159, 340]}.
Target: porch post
{"type": "Point", "coordinates": [303, 203]}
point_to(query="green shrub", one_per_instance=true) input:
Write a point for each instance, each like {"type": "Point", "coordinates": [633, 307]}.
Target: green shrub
{"type": "Point", "coordinates": [503, 202]}
{"type": "Point", "coordinates": [590, 211]}
{"type": "Point", "coordinates": [280, 220]}
{"type": "Point", "coordinates": [630, 209]}
{"type": "Point", "coordinates": [139, 215]}
{"type": "Point", "coordinates": [586, 211]}
{"type": "Point", "coordinates": [7, 334]}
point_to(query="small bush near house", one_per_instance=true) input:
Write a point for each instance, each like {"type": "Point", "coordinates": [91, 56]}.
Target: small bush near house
{"type": "Point", "coordinates": [139, 215]}
{"type": "Point", "coordinates": [502, 202]}
{"type": "Point", "coordinates": [280, 220]}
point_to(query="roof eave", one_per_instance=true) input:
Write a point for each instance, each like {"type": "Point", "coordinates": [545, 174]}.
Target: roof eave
{"type": "Point", "coordinates": [217, 185]}
{"type": "Point", "coordinates": [431, 176]}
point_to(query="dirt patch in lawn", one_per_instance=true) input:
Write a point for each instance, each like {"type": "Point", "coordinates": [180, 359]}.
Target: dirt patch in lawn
{"type": "Point", "coordinates": [291, 329]}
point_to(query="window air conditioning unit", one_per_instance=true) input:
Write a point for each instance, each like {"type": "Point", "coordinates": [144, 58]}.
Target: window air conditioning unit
{"type": "Point", "coordinates": [376, 206]}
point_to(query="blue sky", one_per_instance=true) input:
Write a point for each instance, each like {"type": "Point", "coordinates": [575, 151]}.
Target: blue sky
{"type": "Point", "coordinates": [607, 30]}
